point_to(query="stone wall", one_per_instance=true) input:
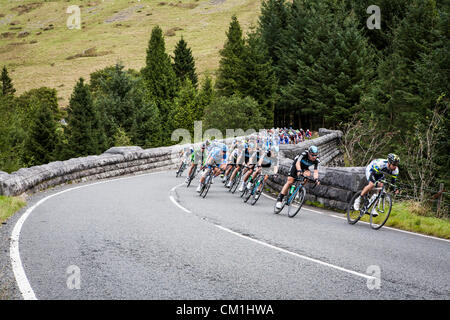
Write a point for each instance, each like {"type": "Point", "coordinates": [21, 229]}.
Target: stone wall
{"type": "Point", "coordinates": [336, 188]}
{"type": "Point", "coordinates": [114, 162]}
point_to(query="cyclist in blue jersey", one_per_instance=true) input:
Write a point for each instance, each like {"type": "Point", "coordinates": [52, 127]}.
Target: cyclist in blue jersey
{"type": "Point", "coordinates": [216, 157]}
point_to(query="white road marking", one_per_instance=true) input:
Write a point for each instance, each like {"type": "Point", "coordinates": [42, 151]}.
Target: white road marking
{"type": "Point", "coordinates": [278, 248]}
{"type": "Point", "coordinates": [16, 262]}
{"type": "Point", "coordinates": [296, 254]}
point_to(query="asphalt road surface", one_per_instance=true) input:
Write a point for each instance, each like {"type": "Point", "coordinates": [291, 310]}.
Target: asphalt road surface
{"type": "Point", "coordinates": [150, 237]}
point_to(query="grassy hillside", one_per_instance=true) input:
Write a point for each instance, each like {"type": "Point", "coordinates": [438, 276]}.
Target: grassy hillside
{"type": "Point", "coordinates": [55, 56]}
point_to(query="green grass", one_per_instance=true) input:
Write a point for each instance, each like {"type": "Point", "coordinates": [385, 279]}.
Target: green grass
{"type": "Point", "coordinates": [409, 216]}
{"type": "Point", "coordinates": [8, 206]}
{"type": "Point", "coordinates": [32, 65]}
{"type": "Point", "coordinates": [405, 216]}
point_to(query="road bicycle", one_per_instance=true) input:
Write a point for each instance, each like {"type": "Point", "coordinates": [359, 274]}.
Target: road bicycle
{"type": "Point", "coordinates": [181, 169]}
{"type": "Point", "coordinates": [378, 207]}
{"type": "Point", "coordinates": [297, 193]}
{"type": "Point", "coordinates": [208, 180]}
{"type": "Point", "coordinates": [237, 179]}
{"type": "Point", "coordinates": [192, 175]}
{"type": "Point", "coordinates": [257, 189]}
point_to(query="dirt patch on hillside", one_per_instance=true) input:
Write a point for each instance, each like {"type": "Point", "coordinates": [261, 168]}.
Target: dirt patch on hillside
{"type": "Point", "coordinates": [124, 14]}
{"type": "Point", "coordinates": [91, 52]}
{"type": "Point", "coordinates": [6, 35]}
{"type": "Point", "coordinates": [184, 5]}
{"type": "Point", "coordinates": [214, 2]}
{"type": "Point", "coordinates": [171, 31]}
{"type": "Point", "coordinates": [25, 8]}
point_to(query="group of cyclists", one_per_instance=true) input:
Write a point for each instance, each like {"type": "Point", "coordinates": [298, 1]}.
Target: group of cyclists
{"type": "Point", "coordinates": [293, 136]}
{"type": "Point", "coordinates": [259, 154]}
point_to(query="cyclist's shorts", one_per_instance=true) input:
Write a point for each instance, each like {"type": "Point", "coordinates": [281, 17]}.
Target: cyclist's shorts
{"type": "Point", "coordinates": [233, 159]}
{"type": "Point", "coordinates": [372, 176]}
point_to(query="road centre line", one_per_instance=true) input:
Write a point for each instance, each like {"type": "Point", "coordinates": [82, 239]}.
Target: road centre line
{"type": "Point", "coordinates": [275, 247]}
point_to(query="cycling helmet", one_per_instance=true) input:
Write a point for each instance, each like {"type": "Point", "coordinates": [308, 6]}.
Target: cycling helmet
{"type": "Point", "coordinates": [313, 150]}
{"type": "Point", "coordinates": [393, 159]}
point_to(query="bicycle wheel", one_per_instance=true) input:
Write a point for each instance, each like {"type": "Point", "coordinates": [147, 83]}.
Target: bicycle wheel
{"type": "Point", "coordinates": [236, 181]}
{"type": "Point", "coordinates": [353, 215]}
{"type": "Point", "coordinates": [300, 197]}
{"type": "Point", "coordinates": [383, 207]}
{"type": "Point", "coordinates": [204, 185]}
{"type": "Point", "coordinates": [180, 170]}
{"type": "Point", "coordinates": [207, 185]}
{"type": "Point", "coordinates": [244, 191]}
{"type": "Point", "coordinates": [249, 193]}
{"type": "Point", "coordinates": [191, 177]}
{"type": "Point", "coordinates": [283, 204]}
{"type": "Point", "coordinates": [258, 190]}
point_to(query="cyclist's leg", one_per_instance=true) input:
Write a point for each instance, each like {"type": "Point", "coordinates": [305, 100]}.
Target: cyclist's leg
{"type": "Point", "coordinates": [290, 180]}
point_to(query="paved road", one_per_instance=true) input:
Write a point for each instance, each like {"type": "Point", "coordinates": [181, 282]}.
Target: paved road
{"type": "Point", "coordinates": [150, 237]}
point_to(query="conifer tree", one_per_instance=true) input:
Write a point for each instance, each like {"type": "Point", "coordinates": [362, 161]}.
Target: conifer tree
{"type": "Point", "coordinates": [184, 111]}
{"type": "Point", "coordinates": [159, 75]}
{"type": "Point", "coordinates": [146, 130]}
{"type": "Point", "coordinates": [42, 137]}
{"type": "Point", "coordinates": [205, 97]}
{"type": "Point", "coordinates": [7, 86]}
{"type": "Point", "coordinates": [231, 63]}
{"type": "Point", "coordinates": [258, 77]}
{"type": "Point", "coordinates": [272, 21]}
{"type": "Point", "coordinates": [115, 99]}
{"type": "Point", "coordinates": [84, 132]}
{"type": "Point", "coordinates": [184, 64]}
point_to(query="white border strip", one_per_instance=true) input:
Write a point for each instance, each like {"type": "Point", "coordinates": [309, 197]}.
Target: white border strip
{"type": "Point", "coordinates": [16, 262]}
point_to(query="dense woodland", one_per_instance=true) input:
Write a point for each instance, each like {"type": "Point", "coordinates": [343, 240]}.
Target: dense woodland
{"type": "Point", "coordinates": [306, 64]}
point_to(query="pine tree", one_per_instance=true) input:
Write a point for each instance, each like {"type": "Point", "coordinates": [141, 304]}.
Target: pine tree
{"type": "Point", "coordinates": [84, 132]}
{"type": "Point", "coordinates": [300, 15]}
{"type": "Point", "coordinates": [258, 77]}
{"type": "Point", "coordinates": [184, 64]}
{"type": "Point", "coordinates": [121, 139]}
{"type": "Point", "coordinates": [183, 113]}
{"type": "Point", "coordinates": [205, 97]}
{"type": "Point", "coordinates": [396, 91]}
{"type": "Point", "coordinates": [231, 63]}
{"type": "Point", "coordinates": [7, 86]}
{"type": "Point", "coordinates": [271, 23]}
{"type": "Point", "coordinates": [392, 12]}
{"type": "Point", "coordinates": [159, 75]}
{"type": "Point", "coordinates": [42, 138]}
{"type": "Point", "coordinates": [233, 113]}
{"type": "Point", "coordinates": [115, 99]}
{"type": "Point", "coordinates": [146, 130]}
